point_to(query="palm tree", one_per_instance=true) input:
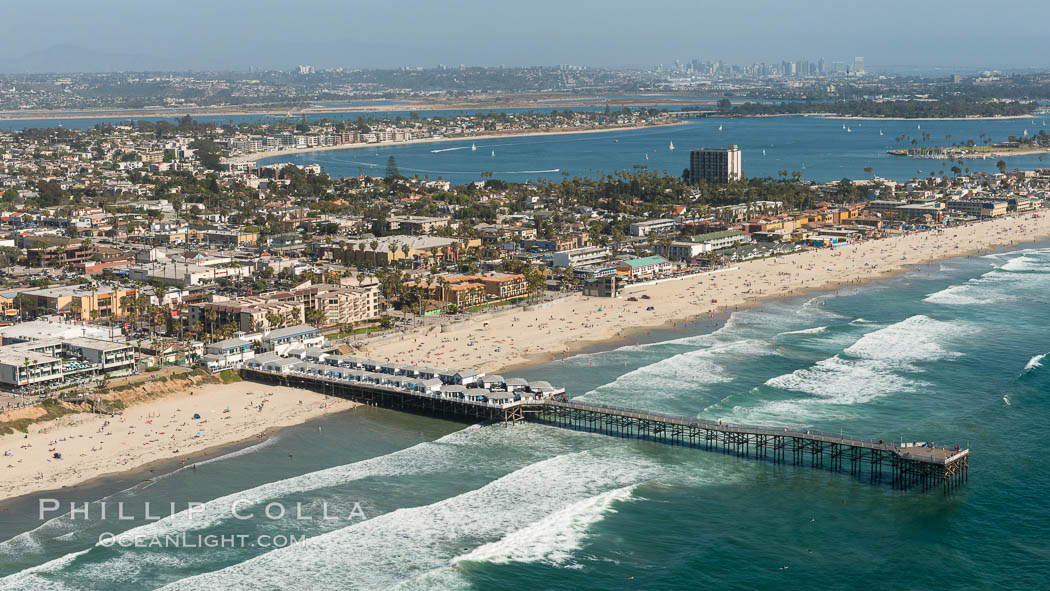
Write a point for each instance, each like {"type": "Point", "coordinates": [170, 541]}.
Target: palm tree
{"type": "Point", "coordinates": [375, 253]}
{"type": "Point", "coordinates": [392, 247]}
{"type": "Point", "coordinates": [443, 285]}
{"type": "Point", "coordinates": [315, 317]}
{"type": "Point", "coordinates": [405, 250]}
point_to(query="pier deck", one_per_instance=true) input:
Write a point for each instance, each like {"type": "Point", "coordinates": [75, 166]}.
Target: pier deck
{"type": "Point", "coordinates": [910, 465]}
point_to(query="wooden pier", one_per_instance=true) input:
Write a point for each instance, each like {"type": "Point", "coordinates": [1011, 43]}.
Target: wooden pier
{"type": "Point", "coordinates": [907, 465]}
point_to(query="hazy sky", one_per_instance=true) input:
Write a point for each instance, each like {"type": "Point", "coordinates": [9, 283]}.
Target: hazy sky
{"type": "Point", "coordinates": [189, 34]}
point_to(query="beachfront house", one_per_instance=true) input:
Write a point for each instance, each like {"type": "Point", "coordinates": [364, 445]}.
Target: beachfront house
{"type": "Point", "coordinates": [644, 267]}
{"type": "Point", "coordinates": [227, 353]}
{"type": "Point", "coordinates": [283, 339]}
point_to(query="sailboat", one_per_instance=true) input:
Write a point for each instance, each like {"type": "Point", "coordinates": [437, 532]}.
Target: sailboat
{"type": "Point", "coordinates": [918, 126]}
{"type": "Point", "coordinates": [880, 132]}
{"type": "Point", "coordinates": [848, 130]}
{"type": "Point", "coordinates": [473, 148]}
{"type": "Point", "coordinates": [763, 152]}
{"type": "Point", "coordinates": [843, 126]}
{"type": "Point", "coordinates": [1026, 133]}
{"type": "Point", "coordinates": [493, 153]}
{"type": "Point", "coordinates": [719, 128]}
{"type": "Point", "coordinates": [647, 156]}
{"type": "Point", "coordinates": [671, 147]}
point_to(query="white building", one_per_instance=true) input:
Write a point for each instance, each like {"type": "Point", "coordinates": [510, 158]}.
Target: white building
{"type": "Point", "coordinates": [588, 255]}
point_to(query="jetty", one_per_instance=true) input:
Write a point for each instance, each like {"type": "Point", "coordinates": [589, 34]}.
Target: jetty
{"type": "Point", "coordinates": [474, 396]}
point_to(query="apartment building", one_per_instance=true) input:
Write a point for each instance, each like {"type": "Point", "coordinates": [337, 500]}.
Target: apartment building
{"type": "Point", "coordinates": [77, 302]}
{"type": "Point", "coordinates": [57, 251]}
{"type": "Point", "coordinates": [580, 256]}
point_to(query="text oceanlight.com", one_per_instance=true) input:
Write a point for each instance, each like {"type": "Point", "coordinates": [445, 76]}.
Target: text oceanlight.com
{"type": "Point", "coordinates": [108, 539]}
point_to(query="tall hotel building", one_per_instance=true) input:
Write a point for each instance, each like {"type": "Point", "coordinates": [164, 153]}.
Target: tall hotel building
{"type": "Point", "coordinates": [714, 165]}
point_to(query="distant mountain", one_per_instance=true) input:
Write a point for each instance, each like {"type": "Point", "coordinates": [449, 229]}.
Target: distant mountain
{"type": "Point", "coordinates": [72, 58]}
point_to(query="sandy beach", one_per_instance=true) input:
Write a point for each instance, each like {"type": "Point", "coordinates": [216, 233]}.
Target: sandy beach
{"type": "Point", "coordinates": [163, 428]}
{"type": "Point", "coordinates": [515, 338]}
{"type": "Point", "coordinates": [256, 156]}
{"type": "Point", "coordinates": [94, 445]}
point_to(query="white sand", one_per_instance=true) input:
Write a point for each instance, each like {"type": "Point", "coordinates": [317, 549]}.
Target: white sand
{"type": "Point", "coordinates": [161, 429]}
{"type": "Point", "coordinates": [517, 338]}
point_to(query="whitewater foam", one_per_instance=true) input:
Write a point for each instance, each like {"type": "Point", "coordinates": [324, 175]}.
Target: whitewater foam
{"type": "Point", "coordinates": [554, 538]}
{"type": "Point", "coordinates": [670, 378]}
{"type": "Point", "coordinates": [814, 330]}
{"type": "Point", "coordinates": [1033, 363]}
{"type": "Point", "coordinates": [870, 368]}
{"type": "Point", "coordinates": [409, 542]}
{"type": "Point", "coordinates": [472, 446]}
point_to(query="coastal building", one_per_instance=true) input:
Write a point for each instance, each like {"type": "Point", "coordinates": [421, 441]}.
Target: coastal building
{"type": "Point", "coordinates": [715, 165]}
{"type": "Point", "coordinates": [644, 267]}
{"type": "Point", "coordinates": [719, 240]}
{"type": "Point", "coordinates": [680, 250]}
{"type": "Point", "coordinates": [184, 273]}
{"type": "Point", "coordinates": [603, 287]}
{"type": "Point", "coordinates": [337, 305]}
{"type": "Point", "coordinates": [55, 328]}
{"type": "Point", "coordinates": [282, 339]}
{"type": "Point", "coordinates": [227, 353]}
{"type": "Point", "coordinates": [1023, 203]}
{"type": "Point", "coordinates": [385, 250]}
{"type": "Point", "coordinates": [643, 229]}
{"type": "Point", "coordinates": [979, 207]}
{"type": "Point", "coordinates": [576, 257]}
{"type": "Point", "coordinates": [50, 362]}
{"type": "Point", "coordinates": [77, 302]}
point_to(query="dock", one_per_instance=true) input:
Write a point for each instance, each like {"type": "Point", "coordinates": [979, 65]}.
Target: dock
{"type": "Point", "coordinates": [472, 396]}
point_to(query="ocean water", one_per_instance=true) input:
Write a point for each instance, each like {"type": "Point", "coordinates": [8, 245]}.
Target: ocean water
{"type": "Point", "coordinates": [952, 352]}
{"type": "Point", "coordinates": [817, 147]}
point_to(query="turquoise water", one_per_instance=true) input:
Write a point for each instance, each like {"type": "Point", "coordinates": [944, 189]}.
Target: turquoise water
{"type": "Point", "coordinates": [930, 354]}
{"type": "Point", "coordinates": [817, 147]}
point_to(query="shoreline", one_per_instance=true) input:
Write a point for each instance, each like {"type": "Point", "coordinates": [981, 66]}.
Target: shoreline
{"type": "Point", "coordinates": [497, 348]}
{"type": "Point", "coordinates": [257, 156]}
{"type": "Point", "coordinates": [156, 430]}
{"type": "Point", "coordinates": [393, 105]}
{"type": "Point", "coordinates": [978, 118]}
{"type": "Point", "coordinates": [979, 155]}
{"type": "Point", "coordinates": [675, 311]}
{"type": "Point", "coordinates": [161, 467]}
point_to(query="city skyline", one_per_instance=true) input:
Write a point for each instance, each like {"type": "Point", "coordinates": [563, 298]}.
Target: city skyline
{"type": "Point", "coordinates": [236, 35]}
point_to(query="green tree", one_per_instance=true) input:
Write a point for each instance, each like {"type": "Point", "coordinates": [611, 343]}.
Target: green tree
{"type": "Point", "coordinates": [391, 169]}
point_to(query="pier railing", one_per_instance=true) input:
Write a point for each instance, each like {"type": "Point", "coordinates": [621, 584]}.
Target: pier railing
{"type": "Point", "coordinates": [945, 454]}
